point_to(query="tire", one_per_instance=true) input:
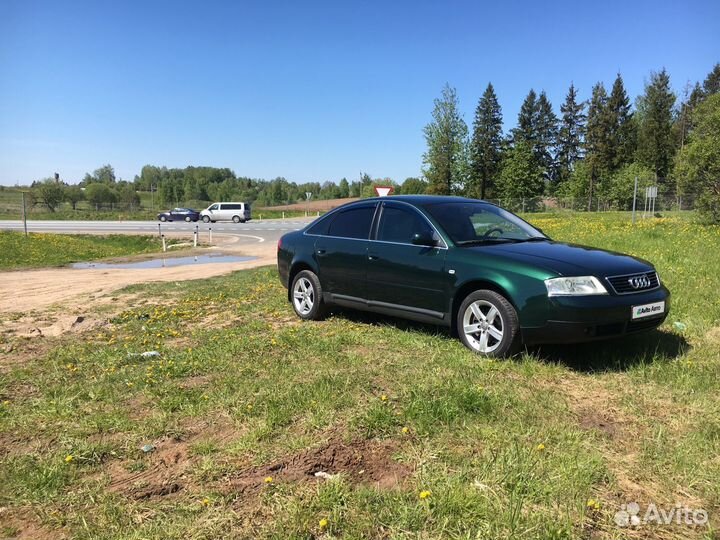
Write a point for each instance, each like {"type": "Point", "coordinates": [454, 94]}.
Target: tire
{"type": "Point", "coordinates": [496, 322]}
{"type": "Point", "coordinates": [242, 221]}
{"type": "Point", "coordinates": [187, 219]}
{"type": "Point", "coordinates": [206, 219]}
{"type": "Point", "coordinates": [163, 219]}
{"type": "Point", "coordinates": [306, 296]}
{"type": "Point", "coordinates": [236, 219]}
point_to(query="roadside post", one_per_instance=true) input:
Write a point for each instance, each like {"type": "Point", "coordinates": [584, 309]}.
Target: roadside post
{"type": "Point", "coordinates": [210, 230]}
{"type": "Point", "coordinates": [24, 214]}
{"type": "Point", "coordinates": [159, 231]}
{"type": "Point", "coordinates": [163, 242]}
{"type": "Point", "coordinates": [634, 200]}
{"type": "Point", "coordinates": [308, 196]}
{"type": "Point", "coordinates": [195, 236]}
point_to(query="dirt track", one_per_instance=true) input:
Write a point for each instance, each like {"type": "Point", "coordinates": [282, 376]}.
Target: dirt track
{"type": "Point", "coordinates": [28, 290]}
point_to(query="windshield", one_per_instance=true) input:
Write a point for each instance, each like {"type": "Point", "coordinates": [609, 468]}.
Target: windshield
{"type": "Point", "coordinates": [468, 222]}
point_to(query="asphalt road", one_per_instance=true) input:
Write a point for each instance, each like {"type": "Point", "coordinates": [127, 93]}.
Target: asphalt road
{"type": "Point", "coordinates": [253, 231]}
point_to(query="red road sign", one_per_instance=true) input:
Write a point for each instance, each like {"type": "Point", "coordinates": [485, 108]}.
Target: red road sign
{"type": "Point", "coordinates": [383, 191]}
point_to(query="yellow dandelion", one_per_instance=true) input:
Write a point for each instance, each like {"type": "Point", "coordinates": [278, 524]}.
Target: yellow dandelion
{"type": "Point", "coordinates": [540, 447]}
{"type": "Point", "coordinates": [425, 494]}
{"type": "Point", "coordinates": [206, 502]}
{"type": "Point", "coordinates": [383, 398]}
{"type": "Point", "coordinates": [69, 458]}
{"type": "Point", "coordinates": [268, 479]}
{"type": "Point", "coordinates": [323, 523]}
{"type": "Point", "coordinates": [406, 430]}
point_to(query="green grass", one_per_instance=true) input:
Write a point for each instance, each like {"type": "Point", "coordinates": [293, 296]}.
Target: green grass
{"type": "Point", "coordinates": [507, 449]}
{"type": "Point", "coordinates": [40, 250]}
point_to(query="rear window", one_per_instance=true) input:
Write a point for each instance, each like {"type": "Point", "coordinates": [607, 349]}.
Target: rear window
{"type": "Point", "coordinates": [352, 223]}
{"type": "Point", "coordinates": [320, 226]}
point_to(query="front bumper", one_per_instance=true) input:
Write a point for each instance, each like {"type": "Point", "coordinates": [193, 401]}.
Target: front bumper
{"type": "Point", "coordinates": [589, 318]}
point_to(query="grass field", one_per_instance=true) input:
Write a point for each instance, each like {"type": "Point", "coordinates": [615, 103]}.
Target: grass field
{"type": "Point", "coordinates": [244, 404]}
{"type": "Point", "coordinates": [42, 250]}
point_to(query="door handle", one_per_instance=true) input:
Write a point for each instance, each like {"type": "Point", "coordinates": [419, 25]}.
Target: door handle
{"type": "Point", "coordinates": [373, 257]}
{"type": "Point", "coordinates": [321, 252]}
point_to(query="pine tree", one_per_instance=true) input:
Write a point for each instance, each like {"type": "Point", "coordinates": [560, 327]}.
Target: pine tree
{"type": "Point", "coordinates": [446, 137]}
{"type": "Point", "coordinates": [486, 145]}
{"type": "Point", "coordinates": [570, 135]}
{"type": "Point", "coordinates": [546, 129]}
{"type": "Point", "coordinates": [597, 139]}
{"type": "Point", "coordinates": [526, 129]}
{"type": "Point", "coordinates": [622, 141]}
{"type": "Point", "coordinates": [711, 84]}
{"type": "Point", "coordinates": [655, 138]}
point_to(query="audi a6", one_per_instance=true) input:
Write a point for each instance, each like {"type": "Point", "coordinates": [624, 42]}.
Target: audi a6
{"type": "Point", "coordinates": [491, 277]}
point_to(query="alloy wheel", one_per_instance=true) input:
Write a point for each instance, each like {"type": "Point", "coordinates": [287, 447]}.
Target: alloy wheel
{"type": "Point", "coordinates": [483, 326]}
{"type": "Point", "coordinates": [303, 296]}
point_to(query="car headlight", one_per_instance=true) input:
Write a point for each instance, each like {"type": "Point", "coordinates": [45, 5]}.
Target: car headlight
{"type": "Point", "coordinates": [574, 286]}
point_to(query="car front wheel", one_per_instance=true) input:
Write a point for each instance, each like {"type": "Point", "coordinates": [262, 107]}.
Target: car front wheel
{"type": "Point", "coordinates": [306, 295]}
{"type": "Point", "coordinates": [488, 324]}
{"type": "Point", "coordinates": [206, 219]}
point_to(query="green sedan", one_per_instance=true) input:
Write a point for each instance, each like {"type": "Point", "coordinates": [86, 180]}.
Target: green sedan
{"type": "Point", "coordinates": [491, 277]}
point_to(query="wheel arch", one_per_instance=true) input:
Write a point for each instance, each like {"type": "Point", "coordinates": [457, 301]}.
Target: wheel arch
{"type": "Point", "coordinates": [470, 287]}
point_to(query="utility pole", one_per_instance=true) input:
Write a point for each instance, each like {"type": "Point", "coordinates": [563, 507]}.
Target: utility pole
{"type": "Point", "coordinates": [24, 214]}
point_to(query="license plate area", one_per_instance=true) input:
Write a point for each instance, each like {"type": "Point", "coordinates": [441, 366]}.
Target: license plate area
{"type": "Point", "coordinates": [648, 310]}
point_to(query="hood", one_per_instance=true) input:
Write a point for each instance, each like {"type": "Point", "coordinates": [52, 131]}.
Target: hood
{"type": "Point", "coordinates": [569, 259]}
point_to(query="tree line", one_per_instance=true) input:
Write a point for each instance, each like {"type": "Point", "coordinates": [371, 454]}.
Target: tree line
{"type": "Point", "coordinates": [593, 150]}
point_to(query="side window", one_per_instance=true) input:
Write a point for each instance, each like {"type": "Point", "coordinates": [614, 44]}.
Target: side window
{"type": "Point", "coordinates": [352, 223]}
{"type": "Point", "coordinates": [320, 227]}
{"type": "Point", "coordinates": [400, 224]}
{"type": "Point", "coordinates": [214, 207]}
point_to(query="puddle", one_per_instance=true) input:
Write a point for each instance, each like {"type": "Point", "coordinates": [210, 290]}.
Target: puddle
{"type": "Point", "coordinates": [166, 262]}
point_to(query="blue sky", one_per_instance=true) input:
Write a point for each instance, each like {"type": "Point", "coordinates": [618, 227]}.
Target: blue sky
{"type": "Point", "coordinates": [305, 90]}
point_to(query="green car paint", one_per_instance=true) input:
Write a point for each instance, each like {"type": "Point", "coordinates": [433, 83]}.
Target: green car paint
{"type": "Point", "coordinates": [429, 282]}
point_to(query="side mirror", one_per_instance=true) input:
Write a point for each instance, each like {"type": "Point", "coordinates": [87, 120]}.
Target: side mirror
{"type": "Point", "coordinates": [424, 239]}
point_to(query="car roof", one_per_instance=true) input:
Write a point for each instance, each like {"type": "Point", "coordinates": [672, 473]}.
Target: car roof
{"type": "Point", "coordinates": [423, 199]}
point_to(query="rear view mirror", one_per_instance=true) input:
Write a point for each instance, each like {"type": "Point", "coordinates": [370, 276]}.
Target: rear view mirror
{"type": "Point", "coordinates": [424, 239]}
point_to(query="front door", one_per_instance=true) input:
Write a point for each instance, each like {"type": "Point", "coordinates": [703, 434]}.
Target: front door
{"type": "Point", "coordinates": [402, 275]}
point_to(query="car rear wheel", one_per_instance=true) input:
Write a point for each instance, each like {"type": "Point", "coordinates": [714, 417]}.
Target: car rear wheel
{"type": "Point", "coordinates": [306, 296]}
{"type": "Point", "coordinates": [488, 324]}
{"type": "Point", "coordinates": [206, 219]}
{"type": "Point", "coordinates": [163, 218]}
{"type": "Point", "coordinates": [236, 219]}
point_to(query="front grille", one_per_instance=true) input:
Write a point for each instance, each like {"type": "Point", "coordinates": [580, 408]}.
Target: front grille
{"type": "Point", "coordinates": [624, 284]}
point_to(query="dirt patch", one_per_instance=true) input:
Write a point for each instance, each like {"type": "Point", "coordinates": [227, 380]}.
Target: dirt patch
{"type": "Point", "coordinates": [166, 469]}
{"type": "Point", "coordinates": [40, 289]}
{"type": "Point", "coordinates": [713, 335]}
{"type": "Point", "coordinates": [20, 524]}
{"type": "Point", "coordinates": [600, 421]}
{"type": "Point", "coordinates": [362, 462]}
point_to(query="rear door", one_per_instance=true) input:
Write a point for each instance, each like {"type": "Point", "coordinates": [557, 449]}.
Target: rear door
{"type": "Point", "coordinates": [341, 253]}
{"type": "Point", "coordinates": [401, 275]}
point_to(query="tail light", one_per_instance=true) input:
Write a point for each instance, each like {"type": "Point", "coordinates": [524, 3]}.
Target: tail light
{"type": "Point", "coordinates": [279, 243]}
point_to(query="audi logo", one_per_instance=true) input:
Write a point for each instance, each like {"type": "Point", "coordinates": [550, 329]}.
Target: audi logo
{"type": "Point", "coordinates": [639, 282]}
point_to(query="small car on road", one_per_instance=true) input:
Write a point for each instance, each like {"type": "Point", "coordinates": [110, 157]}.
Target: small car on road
{"type": "Point", "coordinates": [490, 276]}
{"type": "Point", "coordinates": [179, 214]}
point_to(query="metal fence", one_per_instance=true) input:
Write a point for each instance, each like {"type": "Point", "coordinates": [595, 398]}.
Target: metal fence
{"type": "Point", "coordinates": [664, 202]}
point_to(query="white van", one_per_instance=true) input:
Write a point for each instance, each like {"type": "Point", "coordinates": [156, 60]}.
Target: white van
{"type": "Point", "coordinates": [239, 212]}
